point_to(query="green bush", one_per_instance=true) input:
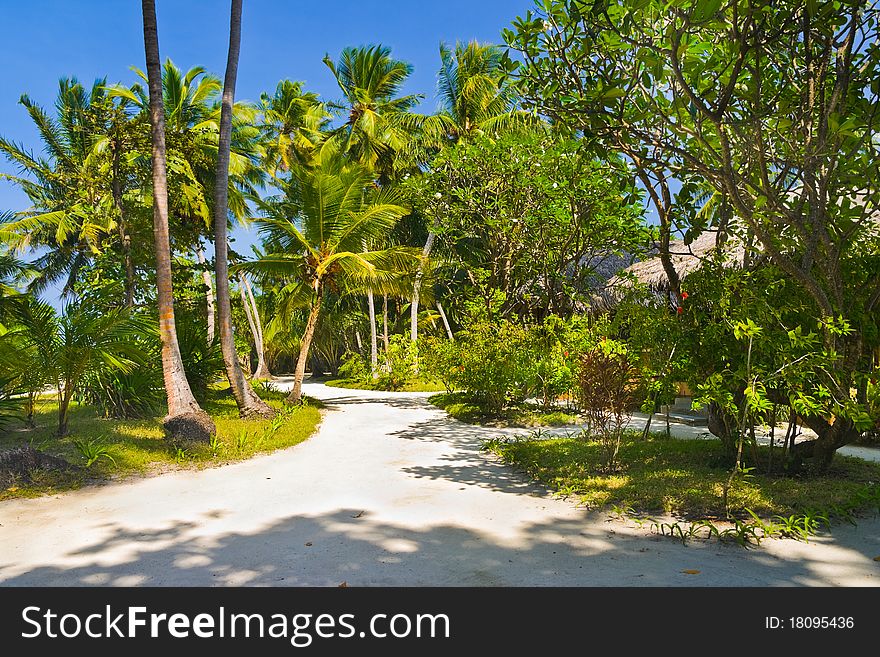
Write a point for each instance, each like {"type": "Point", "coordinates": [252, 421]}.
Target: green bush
{"type": "Point", "coordinates": [397, 366]}
{"type": "Point", "coordinates": [354, 367]}
{"type": "Point", "coordinates": [202, 362]}
{"type": "Point", "coordinates": [495, 364]}
{"type": "Point", "coordinates": [438, 360]}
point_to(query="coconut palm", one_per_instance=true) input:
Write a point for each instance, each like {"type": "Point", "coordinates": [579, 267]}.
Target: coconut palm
{"type": "Point", "coordinates": [249, 404]}
{"type": "Point", "coordinates": [186, 419]}
{"type": "Point", "coordinates": [66, 348]}
{"type": "Point", "coordinates": [316, 234]}
{"type": "Point", "coordinates": [379, 124]}
{"type": "Point", "coordinates": [293, 124]}
{"type": "Point", "coordinates": [71, 211]}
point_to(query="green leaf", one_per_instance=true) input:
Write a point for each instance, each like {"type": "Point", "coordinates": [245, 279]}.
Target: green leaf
{"type": "Point", "coordinates": [705, 9]}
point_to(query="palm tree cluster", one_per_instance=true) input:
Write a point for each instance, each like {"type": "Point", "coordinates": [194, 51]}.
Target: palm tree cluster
{"type": "Point", "coordinates": [136, 185]}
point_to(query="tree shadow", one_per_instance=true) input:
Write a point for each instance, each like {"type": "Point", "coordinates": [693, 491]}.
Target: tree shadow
{"type": "Point", "coordinates": [348, 545]}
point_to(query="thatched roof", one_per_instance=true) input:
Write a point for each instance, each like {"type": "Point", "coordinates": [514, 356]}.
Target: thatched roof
{"type": "Point", "coordinates": [686, 258]}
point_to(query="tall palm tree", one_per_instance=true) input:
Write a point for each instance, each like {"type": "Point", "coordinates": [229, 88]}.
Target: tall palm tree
{"type": "Point", "coordinates": [293, 124]}
{"type": "Point", "coordinates": [249, 404]}
{"type": "Point", "coordinates": [379, 122]}
{"type": "Point", "coordinates": [185, 420]}
{"type": "Point", "coordinates": [381, 129]}
{"type": "Point", "coordinates": [71, 210]}
{"type": "Point", "coordinates": [316, 235]}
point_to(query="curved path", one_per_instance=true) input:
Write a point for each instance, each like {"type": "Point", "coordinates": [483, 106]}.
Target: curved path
{"type": "Point", "coordinates": [390, 491]}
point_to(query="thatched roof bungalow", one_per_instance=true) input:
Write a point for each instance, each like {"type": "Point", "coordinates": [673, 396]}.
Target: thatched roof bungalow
{"type": "Point", "coordinates": [686, 258]}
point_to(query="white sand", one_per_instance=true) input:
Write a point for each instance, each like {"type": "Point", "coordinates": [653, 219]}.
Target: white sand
{"type": "Point", "coordinates": [390, 491]}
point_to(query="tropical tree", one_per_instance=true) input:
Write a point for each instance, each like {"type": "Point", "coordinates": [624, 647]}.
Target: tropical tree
{"type": "Point", "coordinates": [185, 420]}
{"type": "Point", "coordinates": [380, 122]}
{"type": "Point", "coordinates": [315, 237]}
{"type": "Point", "coordinates": [293, 123]}
{"type": "Point", "coordinates": [67, 348]}
{"type": "Point", "coordinates": [71, 211]}
{"type": "Point", "coordinates": [476, 100]}
{"type": "Point", "coordinates": [249, 404]}
{"type": "Point", "coordinates": [774, 107]}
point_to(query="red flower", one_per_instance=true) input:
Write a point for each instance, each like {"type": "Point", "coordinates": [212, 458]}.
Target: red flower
{"type": "Point", "coordinates": [565, 353]}
{"type": "Point", "coordinates": [679, 310]}
{"type": "Point", "coordinates": [684, 295]}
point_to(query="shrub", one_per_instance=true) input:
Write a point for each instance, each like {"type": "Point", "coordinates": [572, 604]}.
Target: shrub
{"type": "Point", "coordinates": [495, 364]}
{"type": "Point", "coordinates": [607, 383]}
{"type": "Point", "coordinates": [354, 366]}
{"type": "Point", "coordinates": [398, 365]}
{"type": "Point", "coordinates": [438, 360]}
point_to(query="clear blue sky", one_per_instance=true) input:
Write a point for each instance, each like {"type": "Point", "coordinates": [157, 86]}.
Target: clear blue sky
{"type": "Point", "coordinates": [48, 39]}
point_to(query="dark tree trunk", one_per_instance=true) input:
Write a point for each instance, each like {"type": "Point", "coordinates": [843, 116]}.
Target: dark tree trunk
{"type": "Point", "coordinates": [249, 403]}
{"type": "Point", "coordinates": [185, 420]}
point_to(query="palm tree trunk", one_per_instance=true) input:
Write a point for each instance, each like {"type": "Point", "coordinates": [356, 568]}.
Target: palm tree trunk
{"type": "Point", "coordinates": [250, 305]}
{"type": "Point", "coordinates": [249, 404]}
{"type": "Point", "coordinates": [417, 287]}
{"type": "Point", "coordinates": [209, 293]}
{"type": "Point", "coordinates": [300, 372]}
{"type": "Point", "coordinates": [185, 420]}
{"type": "Point", "coordinates": [63, 408]}
{"type": "Point", "coordinates": [374, 347]}
{"type": "Point", "coordinates": [385, 339]}
{"type": "Point", "coordinates": [122, 229]}
{"type": "Point", "coordinates": [445, 322]}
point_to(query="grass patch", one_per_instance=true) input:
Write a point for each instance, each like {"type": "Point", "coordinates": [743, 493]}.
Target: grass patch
{"type": "Point", "coordinates": [684, 478]}
{"type": "Point", "coordinates": [462, 407]}
{"type": "Point", "coordinates": [419, 385]}
{"type": "Point", "coordinates": [137, 447]}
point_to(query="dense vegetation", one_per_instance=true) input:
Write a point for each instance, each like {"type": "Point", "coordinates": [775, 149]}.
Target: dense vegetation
{"type": "Point", "coordinates": [483, 249]}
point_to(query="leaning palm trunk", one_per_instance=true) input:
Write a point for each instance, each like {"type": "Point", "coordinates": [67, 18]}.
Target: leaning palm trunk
{"type": "Point", "coordinates": [445, 322]}
{"type": "Point", "coordinates": [374, 346]}
{"type": "Point", "coordinates": [300, 372]}
{"type": "Point", "coordinates": [417, 288]}
{"type": "Point", "coordinates": [253, 315]}
{"type": "Point", "coordinates": [249, 404]}
{"type": "Point", "coordinates": [185, 420]}
{"type": "Point", "coordinates": [209, 293]}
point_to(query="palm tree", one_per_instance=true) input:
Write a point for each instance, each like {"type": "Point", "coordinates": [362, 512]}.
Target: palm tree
{"type": "Point", "coordinates": [80, 341]}
{"type": "Point", "coordinates": [381, 131]}
{"type": "Point", "coordinates": [380, 123]}
{"type": "Point", "coordinates": [316, 236]}
{"type": "Point", "coordinates": [249, 404]}
{"type": "Point", "coordinates": [185, 420]}
{"type": "Point", "coordinates": [292, 125]}
{"type": "Point", "coordinates": [71, 210]}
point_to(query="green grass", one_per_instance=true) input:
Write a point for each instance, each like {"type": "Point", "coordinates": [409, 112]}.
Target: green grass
{"type": "Point", "coordinates": [137, 447]}
{"type": "Point", "coordinates": [409, 386]}
{"type": "Point", "coordinates": [681, 477]}
{"type": "Point", "coordinates": [463, 408]}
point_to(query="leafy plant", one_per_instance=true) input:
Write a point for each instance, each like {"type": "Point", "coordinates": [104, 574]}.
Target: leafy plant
{"type": "Point", "coordinates": [94, 450]}
{"type": "Point", "coordinates": [606, 391]}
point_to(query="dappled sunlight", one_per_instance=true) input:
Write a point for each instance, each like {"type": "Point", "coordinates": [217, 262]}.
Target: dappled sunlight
{"type": "Point", "coordinates": [346, 545]}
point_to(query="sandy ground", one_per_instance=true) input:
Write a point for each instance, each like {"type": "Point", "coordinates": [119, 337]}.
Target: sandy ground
{"type": "Point", "coordinates": [390, 491]}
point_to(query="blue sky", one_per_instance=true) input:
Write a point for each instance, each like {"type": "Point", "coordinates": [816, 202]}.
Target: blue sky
{"type": "Point", "coordinates": [47, 39]}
